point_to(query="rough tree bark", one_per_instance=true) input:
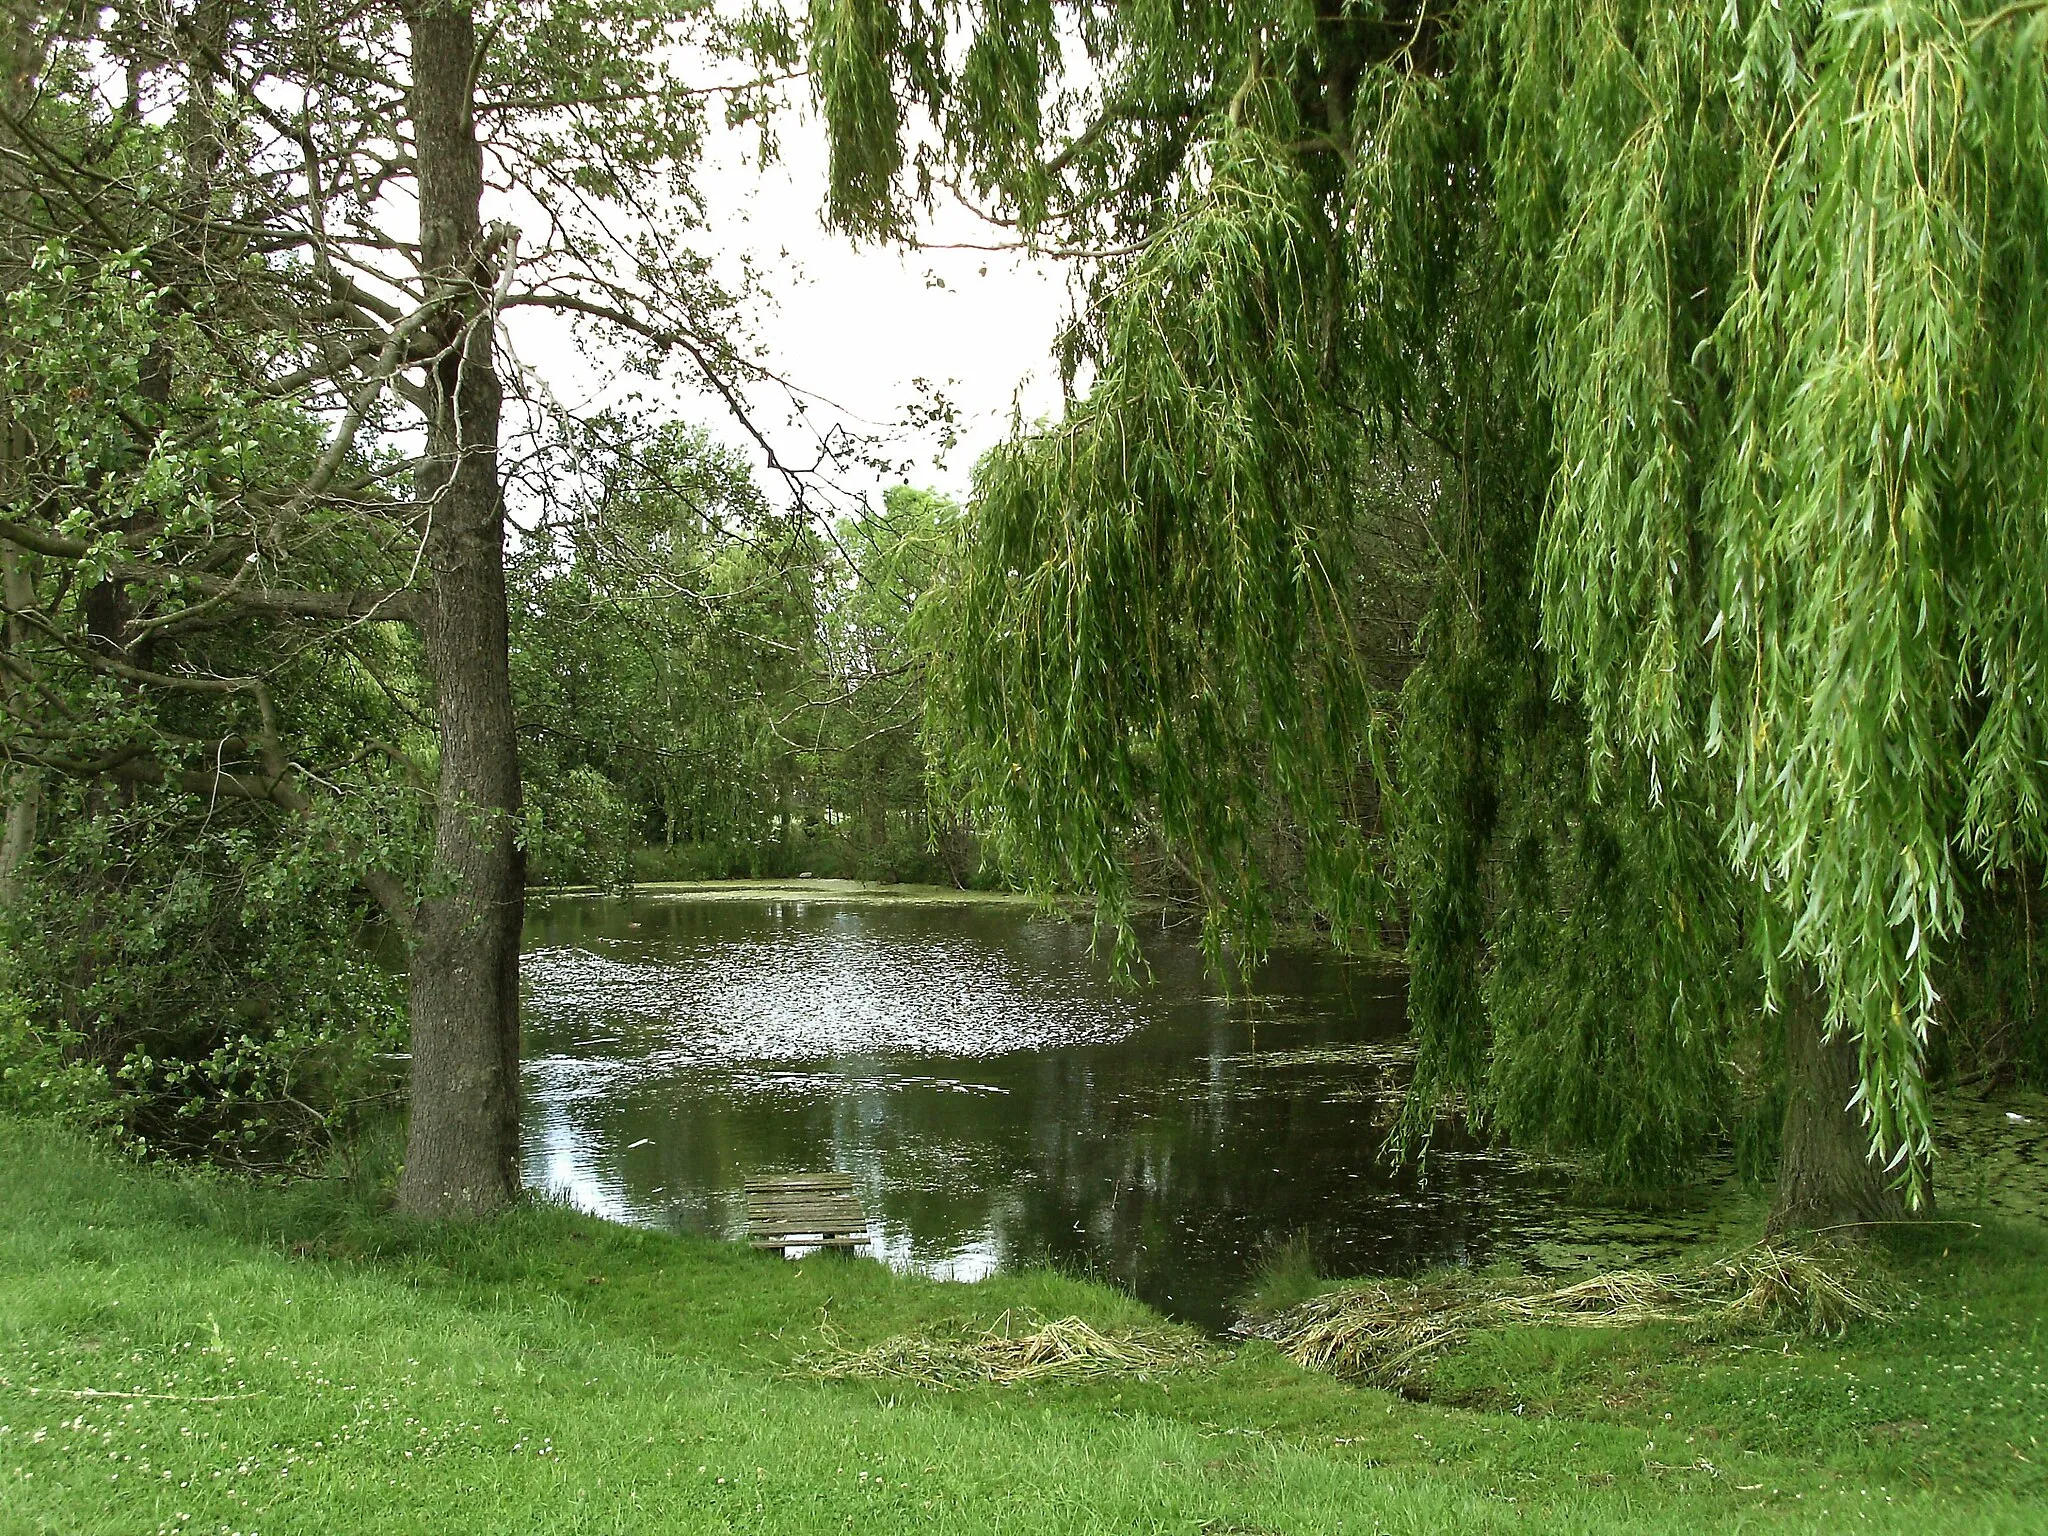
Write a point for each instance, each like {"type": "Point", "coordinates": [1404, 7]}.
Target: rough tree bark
{"type": "Point", "coordinates": [463, 1143]}
{"type": "Point", "coordinates": [1827, 1179]}
{"type": "Point", "coordinates": [20, 63]}
{"type": "Point", "coordinates": [24, 790]}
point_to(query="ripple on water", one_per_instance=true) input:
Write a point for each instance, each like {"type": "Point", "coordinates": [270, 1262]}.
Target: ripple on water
{"type": "Point", "coordinates": [812, 997]}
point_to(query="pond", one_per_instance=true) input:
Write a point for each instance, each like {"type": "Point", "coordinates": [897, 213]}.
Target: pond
{"type": "Point", "coordinates": [1000, 1103]}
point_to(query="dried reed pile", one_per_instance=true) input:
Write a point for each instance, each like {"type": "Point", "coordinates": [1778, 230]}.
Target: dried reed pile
{"type": "Point", "coordinates": [1387, 1333]}
{"type": "Point", "coordinates": [1015, 1352]}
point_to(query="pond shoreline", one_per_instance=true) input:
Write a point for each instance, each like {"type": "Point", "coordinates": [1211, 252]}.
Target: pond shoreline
{"type": "Point", "coordinates": [216, 1355]}
{"type": "Point", "coordinates": [1004, 1101]}
{"type": "Point", "coordinates": [1293, 933]}
{"type": "Point", "coordinates": [817, 889]}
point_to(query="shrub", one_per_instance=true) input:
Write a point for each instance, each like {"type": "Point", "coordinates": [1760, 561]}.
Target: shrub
{"type": "Point", "coordinates": [197, 986]}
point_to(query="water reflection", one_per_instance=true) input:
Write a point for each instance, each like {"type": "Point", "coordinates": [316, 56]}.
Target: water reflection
{"type": "Point", "coordinates": [997, 1101]}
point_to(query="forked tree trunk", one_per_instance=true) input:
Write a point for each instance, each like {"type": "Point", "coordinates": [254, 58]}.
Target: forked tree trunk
{"type": "Point", "coordinates": [1827, 1179]}
{"type": "Point", "coordinates": [462, 1147]}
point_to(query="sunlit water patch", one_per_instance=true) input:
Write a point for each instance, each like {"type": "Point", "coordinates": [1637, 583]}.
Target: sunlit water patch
{"type": "Point", "coordinates": [999, 1102]}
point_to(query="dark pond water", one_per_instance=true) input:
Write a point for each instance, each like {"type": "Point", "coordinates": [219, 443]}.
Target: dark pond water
{"type": "Point", "coordinates": [999, 1102]}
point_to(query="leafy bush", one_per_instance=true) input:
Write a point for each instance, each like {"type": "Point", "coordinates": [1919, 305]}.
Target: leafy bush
{"type": "Point", "coordinates": [205, 989]}
{"type": "Point", "coordinates": [41, 1074]}
{"type": "Point", "coordinates": [580, 829]}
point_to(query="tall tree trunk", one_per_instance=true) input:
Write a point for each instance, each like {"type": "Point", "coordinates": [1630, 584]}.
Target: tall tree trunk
{"type": "Point", "coordinates": [1827, 1179]}
{"type": "Point", "coordinates": [20, 65]}
{"type": "Point", "coordinates": [18, 839]}
{"type": "Point", "coordinates": [462, 1149]}
{"type": "Point", "coordinates": [24, 789]}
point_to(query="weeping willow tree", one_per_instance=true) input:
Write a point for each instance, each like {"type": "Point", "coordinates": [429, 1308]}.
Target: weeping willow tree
{"type": "Point", "coordinates": [1707, 347]}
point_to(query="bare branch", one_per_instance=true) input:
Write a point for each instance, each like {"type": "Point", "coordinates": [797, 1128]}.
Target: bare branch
{"type": "Point", "coordinates": [294, 603]}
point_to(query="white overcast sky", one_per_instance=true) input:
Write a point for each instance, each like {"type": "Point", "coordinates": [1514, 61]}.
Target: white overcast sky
{"type": "Point", "coordinates": [856, 325]}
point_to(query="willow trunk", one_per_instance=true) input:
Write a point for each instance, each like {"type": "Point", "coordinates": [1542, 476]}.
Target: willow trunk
{"type": "Point", "coordinates": [462, 1145]}
{"type": "Point", "coordinates": [1827, 1179]}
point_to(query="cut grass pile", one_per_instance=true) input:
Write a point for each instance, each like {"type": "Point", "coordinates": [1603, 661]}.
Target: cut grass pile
{"type": "Point", "coordinates": [1014, 1352]}
{"type": "Point", "coordinates": [1390, 1333]}
{"type": "Point", "coordinates": [181, 1354]}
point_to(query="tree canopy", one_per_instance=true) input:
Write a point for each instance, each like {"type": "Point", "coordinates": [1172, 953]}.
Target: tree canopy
{"type": "Point", "coordinates": [1560, 490]}
{"type": "Point", "coordinates": [1695, 352]}
{"type": "Point", "coordinates": [708, 686]}
{"type": "Point", "coordinates": [255, 509]}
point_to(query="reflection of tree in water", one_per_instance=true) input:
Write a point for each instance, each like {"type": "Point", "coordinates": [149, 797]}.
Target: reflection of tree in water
{"type": "Point", "coordinates": [1180, 1197]}
{"type": "Point", "coordinates": [1169, 1154]}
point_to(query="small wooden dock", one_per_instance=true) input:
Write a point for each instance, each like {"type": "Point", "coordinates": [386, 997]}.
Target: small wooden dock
{"type": "Point", "coordinates": [805, 1210]}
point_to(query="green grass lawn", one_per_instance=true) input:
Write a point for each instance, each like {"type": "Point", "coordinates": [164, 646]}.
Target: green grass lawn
{"type": "Point", "coordinates": [184, 1354]}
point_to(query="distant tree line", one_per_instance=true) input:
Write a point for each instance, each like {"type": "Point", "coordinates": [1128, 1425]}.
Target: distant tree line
{"type": "Point", "coordinates": [710, 689]}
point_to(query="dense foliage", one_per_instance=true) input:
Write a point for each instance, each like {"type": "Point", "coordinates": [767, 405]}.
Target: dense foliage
{"type": "Point", "coordinates": [253, 515]}
{"type": "Point", "coordinates": [194, 790]}
{"type": "Point", "coordinates": [1561, 490]}
{"type": "Point", "coordinates": [710, 688]}
{"type": "Point", "coordinates": [197, 985]}
{"type": "Point", "coordinates": [1717, 333]}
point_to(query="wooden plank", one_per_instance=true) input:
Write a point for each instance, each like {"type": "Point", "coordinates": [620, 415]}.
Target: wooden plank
{"type": "Point", "coordinates": [807, 1203]}
{"type": "Point", "coordinates": [811, 1221]}
{"type": "Point", "coordinates": [768, 1228]}
{"type": "Point", "coordinates": [799, 1202]}
{"type": "Point", "coordinates": [829, 1242]}
{"type": "Point", "coordinates": [799, 1196]}
{"type": "Point", "coordinates": [818, 1197]}
{"type": "Point", "coordinates": [805, 1210]}
{"type": "Point", "coordinates": [780, 1202]}
{"type": "Point", "coordinates": [805, 1199]}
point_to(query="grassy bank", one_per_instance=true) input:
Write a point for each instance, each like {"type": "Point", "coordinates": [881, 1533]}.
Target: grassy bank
{"type": "Point", "coordinates": [185, 1355]}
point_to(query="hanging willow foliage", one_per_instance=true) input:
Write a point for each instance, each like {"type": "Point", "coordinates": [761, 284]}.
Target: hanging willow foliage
{"type": "Point", "coordinates": [1720, 332]}
{"type": "Point", "coordinates": [1155, 578]}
